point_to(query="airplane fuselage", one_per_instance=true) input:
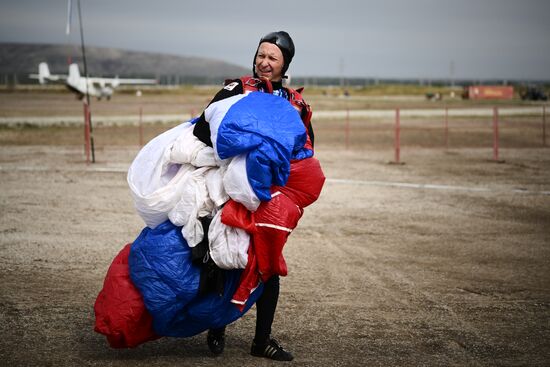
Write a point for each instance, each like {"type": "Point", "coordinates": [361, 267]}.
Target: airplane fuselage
{"type": "Point", "coordinates": [83, 86]}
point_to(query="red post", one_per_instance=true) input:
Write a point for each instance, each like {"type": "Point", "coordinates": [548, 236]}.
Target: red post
{"type": "Point", "coordinates": [495, 133]}
{"type": "Point", "coordinates": [140, 126]}
{"type": "Point", "coordinates": [347, 128]}
{"type": "Point", "coordinates": [397, 132]}
{"type": "Point", "coordinates": [446, 128]}
{"type": "Point", "coordinates": [87, 132]}
{"type": "Point", "coordinates": [543, 125]}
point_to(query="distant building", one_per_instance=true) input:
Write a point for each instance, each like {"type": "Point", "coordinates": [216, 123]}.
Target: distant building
{"type": "Point", "coordinates": [489, 92]}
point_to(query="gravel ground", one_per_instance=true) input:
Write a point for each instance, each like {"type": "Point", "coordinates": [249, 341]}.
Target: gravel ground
{"type": "Point", "coordinates": [441, 261]}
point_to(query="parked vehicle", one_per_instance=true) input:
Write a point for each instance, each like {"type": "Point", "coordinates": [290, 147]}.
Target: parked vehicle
{"type": "Point", "coordinates": [533, 93]}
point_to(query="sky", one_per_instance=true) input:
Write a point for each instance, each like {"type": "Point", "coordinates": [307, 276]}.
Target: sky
{"type": "Point", "coordinates": [424, 39]}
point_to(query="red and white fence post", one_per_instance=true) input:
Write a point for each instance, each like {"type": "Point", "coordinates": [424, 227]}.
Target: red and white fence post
{"type": "Point", "coordinates": [446, 128]}
{"type": "Point", "coordinates": [347, 128]}
{"type": "Point", "coordinates": [495, 133]}
{"type": "Point", "coordinates": [140, 126]}
{"type": "Point", "coordinates": [543, 125]}
{"type": "Point", "coordinates": [397, 137]}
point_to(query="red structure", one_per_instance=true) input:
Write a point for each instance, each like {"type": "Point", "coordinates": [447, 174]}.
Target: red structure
{"type": "Point", "coordinates": [490, 92]}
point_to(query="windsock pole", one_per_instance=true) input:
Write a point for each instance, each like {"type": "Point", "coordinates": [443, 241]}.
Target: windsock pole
{"type": "Point", "coordinates": [397, 136]}
{"type": "Point", "coordinates": [91, 137]}
{"type": "Point", "coordinates": [495, 134]}
{"type": "Point", "coordinates": [87, 132]}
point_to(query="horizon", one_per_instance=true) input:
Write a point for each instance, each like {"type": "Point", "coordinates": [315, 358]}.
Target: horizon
{"type": "Point", "coordinates": [406, 80]}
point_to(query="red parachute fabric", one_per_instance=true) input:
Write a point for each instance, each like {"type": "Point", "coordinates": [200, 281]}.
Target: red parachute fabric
{"type": "Point", "coordinates": [119, 309]}
{"type": "Point", "coordinates": [271, 224]}
{"type": "Point", "coordinates": [305, 182]}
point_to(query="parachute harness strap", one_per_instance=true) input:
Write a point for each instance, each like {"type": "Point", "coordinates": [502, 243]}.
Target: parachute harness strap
{"type": "Point", "coordinates": [260, 84]}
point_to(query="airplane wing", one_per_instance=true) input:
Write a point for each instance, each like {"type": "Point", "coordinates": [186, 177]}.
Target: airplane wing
{"type": "Point", "coordinates": [115, 82]}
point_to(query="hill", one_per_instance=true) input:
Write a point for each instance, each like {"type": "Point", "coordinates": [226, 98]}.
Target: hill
{"type": "Point", "coordinates": [23, 58]}
{"type": "Point", "coordinates": [17, 60]}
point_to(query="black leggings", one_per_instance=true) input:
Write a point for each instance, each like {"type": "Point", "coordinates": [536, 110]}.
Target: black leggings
{"type": "Point", "coordinates": [265, 310]}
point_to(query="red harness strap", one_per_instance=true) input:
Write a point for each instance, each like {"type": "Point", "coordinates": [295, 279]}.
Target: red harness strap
{"type": "Point", "coordinates": [251, 84]}
{"type": "Point", "coordinates": [296, 100]}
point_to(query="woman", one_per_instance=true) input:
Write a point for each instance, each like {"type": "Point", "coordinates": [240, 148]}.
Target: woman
{"type": "Point", "coordinates": [271, 61]}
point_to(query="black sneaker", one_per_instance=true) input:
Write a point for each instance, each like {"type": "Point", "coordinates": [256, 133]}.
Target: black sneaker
{"type": "Point", "coordinates": [216, 340]}
{"type": "Point", "coordinates": [271, 350]}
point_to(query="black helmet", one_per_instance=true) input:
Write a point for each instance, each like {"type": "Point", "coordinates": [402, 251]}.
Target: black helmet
{"type": "Point", "coordinates": [282, 40]}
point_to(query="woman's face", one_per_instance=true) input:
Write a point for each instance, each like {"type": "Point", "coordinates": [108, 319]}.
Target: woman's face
{"type": "Point", "coordinates": [270, 62]}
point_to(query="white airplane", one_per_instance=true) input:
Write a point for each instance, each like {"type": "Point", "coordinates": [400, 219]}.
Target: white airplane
{"type": "Point", "coordinates": [96, 87]}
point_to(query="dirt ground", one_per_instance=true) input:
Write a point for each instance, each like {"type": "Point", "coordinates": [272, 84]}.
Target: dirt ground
{"type": "Point", "coordinates": [440, 261]}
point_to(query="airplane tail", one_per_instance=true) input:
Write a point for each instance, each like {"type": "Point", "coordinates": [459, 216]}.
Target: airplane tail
{"type": "Point", "coordinates": [43, 72]}
{"type": "Point", "coordinates": [74, 74]}
{"type": "Point", "coordinates": [116, 82]}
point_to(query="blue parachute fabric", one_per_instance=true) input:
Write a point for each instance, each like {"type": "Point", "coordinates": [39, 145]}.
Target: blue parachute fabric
{"type": "Point", "coordinates": [271, 131]}
{"type": "Point", "coordinates": [303, 154]}
{"type": "Point", "coordinates": [161, 268]}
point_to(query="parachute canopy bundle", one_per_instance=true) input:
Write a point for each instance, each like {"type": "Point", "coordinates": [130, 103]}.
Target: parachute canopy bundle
{"type": "Point", "coordinates": [252, 185]}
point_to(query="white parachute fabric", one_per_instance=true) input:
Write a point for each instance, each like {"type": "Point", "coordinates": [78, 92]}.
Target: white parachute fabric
{"type": "Point", "coordinates": [194, 203]}
{"type": "Point", "coordinates": [215, 187]}
{"type": "Point", "coordinates": [188, 149]}
{"type": "Point", "coordinates": [154, 180]}
{"type": "Point", "coordinates": [228, 245]}
{"type": "Point", "coordinates": [235, 183]}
